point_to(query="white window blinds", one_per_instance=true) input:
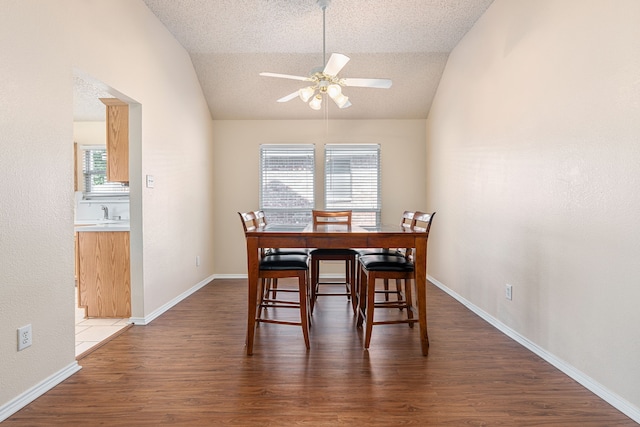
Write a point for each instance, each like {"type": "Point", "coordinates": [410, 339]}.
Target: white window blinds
{"type": "Point", "coordinates": [352, 181]}
{"type": "Point", "coordinates": [94, 170]}
{"type": "Point", "coordinates": [287, 182]}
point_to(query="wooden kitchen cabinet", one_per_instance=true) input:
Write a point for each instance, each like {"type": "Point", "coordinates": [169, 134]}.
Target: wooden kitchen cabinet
{"type": "Point", "coordinates": [117, 139]}
{"type": "Point", "coordinates": [77, 263]}
{"type": "Point", "coordinates": [104, 279]}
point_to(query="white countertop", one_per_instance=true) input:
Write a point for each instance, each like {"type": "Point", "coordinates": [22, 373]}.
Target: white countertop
{"type": "Point", "coordinates": [101, 225]}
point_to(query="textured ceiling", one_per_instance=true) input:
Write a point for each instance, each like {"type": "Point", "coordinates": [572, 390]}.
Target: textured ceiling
{"type": "Point", "coordinates": [86, 103]}
{"type": "Point", "coordinates": [231, 41]}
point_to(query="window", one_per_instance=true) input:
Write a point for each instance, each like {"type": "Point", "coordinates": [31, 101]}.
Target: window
{"type": "Point", "coordinates": [94, 169]}
{"type": "Point", "coordinates": [287, 182]}
{"type": "Point", "coordinates": [352, 181]}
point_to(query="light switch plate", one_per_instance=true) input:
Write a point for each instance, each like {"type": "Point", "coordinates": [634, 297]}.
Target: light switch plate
{"type": "Point", "coordinates": [150, 181]}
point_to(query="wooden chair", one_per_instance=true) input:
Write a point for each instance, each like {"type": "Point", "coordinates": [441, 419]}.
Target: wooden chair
{"type": "Point", "coordinates": [261, 221]}
{"type": "Point", "coordinates": [385, 266]}
{"type": "Point", "coordinates": [348, 256]}
{"type": "Point", "coordinates": [271, 286]}
{"type": "Point", "coordinates": [406, 222]}
{"type": "Point", "coordinates": [280, 266]}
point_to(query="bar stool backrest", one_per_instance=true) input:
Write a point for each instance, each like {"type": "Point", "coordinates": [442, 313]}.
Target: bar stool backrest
{"type": "Point", "coordinates": [261, 219]}
{"type": "Point", "coordinates": [248, 220]}
{"type": "Point", "coordinates": [323, 217]}
{"type": "Point", "coordinates": [422, 221]}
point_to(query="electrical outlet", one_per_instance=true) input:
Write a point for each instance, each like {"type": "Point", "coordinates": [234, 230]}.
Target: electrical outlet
{"type": "Point", "coordinates": [24, 337]}
{"type": "Point", "coordinates": [509, 292]}
{"type": "Point", "coordinates": [197, 260]}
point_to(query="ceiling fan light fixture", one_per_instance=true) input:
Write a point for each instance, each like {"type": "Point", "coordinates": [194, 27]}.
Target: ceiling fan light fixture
{"type": "Point", "coordinates": [342, 101]}
{"type": "Point", "coordinates": [334, 90]}
{"type": "Point", "coordinates": [306, 93]}
{"type": "Point", "coordinates": [316, 102]}
{"type": "Point", "coordinates": [324, 79]}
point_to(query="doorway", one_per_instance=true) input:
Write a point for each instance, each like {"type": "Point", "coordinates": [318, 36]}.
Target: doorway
{"type": "Point", "coordinates": [89, 120]}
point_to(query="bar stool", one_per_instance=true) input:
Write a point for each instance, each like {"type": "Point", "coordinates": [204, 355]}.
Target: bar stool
{"type": "Point", "coordinates": [271, 286]}
{"type": "Point", "coordinates": [348, 256]}
{"type": "Point", "coordinates": [384, 266]}
{"type": "Point", "coordinates": [280, 266]}
{"type": "Point", "coordinates": [406, 223]}
{"type": "Point", "coordinates": [261, 221]}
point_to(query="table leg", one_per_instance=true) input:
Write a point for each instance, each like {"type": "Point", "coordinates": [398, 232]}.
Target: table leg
{"type": "Point", "coordinates": [252, 297]}
{"type": "Point", "coordinates": [421, 291]}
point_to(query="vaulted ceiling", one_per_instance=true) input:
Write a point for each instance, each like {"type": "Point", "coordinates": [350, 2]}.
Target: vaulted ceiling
{"type": "Point", "coordinates": [231, 41]}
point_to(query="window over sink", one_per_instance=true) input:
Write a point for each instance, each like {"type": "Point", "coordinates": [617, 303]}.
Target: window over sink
{"type": "Point", "coordinates": [94, 173]}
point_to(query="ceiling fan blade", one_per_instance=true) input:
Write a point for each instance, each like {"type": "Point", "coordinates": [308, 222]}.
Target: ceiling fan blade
{"type": "Point", "coordinates": [335, 64]}
{"type": "Point", "coordinates": [286, 76]}
{"type": "Point", "coordinates": [288, 97]}
{"type": "Point", "coordinates": [376, 83]}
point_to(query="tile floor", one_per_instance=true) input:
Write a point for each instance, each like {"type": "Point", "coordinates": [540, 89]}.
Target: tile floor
{"type": "Point", "coordinates": [92, 331]}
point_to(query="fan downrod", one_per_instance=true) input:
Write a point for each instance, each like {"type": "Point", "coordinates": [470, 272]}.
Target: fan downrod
{"type": "Point", "coordinates": [323, 3]}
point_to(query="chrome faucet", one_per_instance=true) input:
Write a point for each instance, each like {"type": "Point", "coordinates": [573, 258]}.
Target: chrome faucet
{"type": "Point", "coordinates": [106, 211]}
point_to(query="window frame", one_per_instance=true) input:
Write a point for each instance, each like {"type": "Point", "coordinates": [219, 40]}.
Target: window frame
{"type": "Point", "coordinates": [337, 152]}
{"type": "Point", "coordinates": [289, 214]}
{"type": "Point", "coordinates": [111, 188]}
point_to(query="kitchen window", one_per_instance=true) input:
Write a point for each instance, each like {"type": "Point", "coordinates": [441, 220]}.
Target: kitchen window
{"type": "Point", "coordinates": [94, 172]}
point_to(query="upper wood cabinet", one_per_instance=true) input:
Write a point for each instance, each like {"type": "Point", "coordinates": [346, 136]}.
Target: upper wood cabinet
{"type": "Point", "coordinates": [117, 139]}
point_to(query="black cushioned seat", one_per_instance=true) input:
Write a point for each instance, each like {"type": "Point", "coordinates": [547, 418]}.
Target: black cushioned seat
{"type": "Point", "coordinates": [386, 263]}
{"type": "Point", "coordinates": [284, 262]}
{"type": "Point", "coordinates": [378, 251]}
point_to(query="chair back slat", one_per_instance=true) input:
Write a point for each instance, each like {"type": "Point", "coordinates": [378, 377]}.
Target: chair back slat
{"type": "Point", "coordinates": [323, 217]}
{"type": "Point", "coordinates": [248, 220]}
{"type": "Point", "coordinates": [422, 221]}
{"type": "Point", "coordinates": [261, 219]}
{"type": "Point", "coordinates": [407, 219]}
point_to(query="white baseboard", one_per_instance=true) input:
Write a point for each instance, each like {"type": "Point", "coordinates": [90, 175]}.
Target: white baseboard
{"type": "Point", "coordinates": [230, 276]}
{"type": "Point", "coordinates": [160, 310]}
{"type": "Point", "coordinates": [589, 383]}
{"type": "Point", "coordinates": [36, 391]}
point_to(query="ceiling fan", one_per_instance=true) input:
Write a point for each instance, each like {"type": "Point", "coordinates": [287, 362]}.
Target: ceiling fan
{"type": "Point", "coordinates": [325, 80]}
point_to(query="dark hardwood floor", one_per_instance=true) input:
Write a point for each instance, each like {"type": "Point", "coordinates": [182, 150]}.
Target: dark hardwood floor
{"type": "Point", "coordinates": [188, 367]}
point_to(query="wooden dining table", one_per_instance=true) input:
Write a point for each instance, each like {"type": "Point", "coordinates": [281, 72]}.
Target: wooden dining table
{"type": "Point", "coordinates": [336, 236]}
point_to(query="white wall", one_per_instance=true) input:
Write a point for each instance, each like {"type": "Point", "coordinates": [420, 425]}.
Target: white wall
{"type": "Point", "coordinates": [534, 169]}
{"type": "Point", "coordinates": [236, 165]}
{"type": "Point", "coordinates": [120, 43]}
{"type": "Point", "coordinates": [90, 133]}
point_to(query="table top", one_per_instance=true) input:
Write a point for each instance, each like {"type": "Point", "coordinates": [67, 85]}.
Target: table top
{"type": "Point", "coordinates": [323, 229]}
